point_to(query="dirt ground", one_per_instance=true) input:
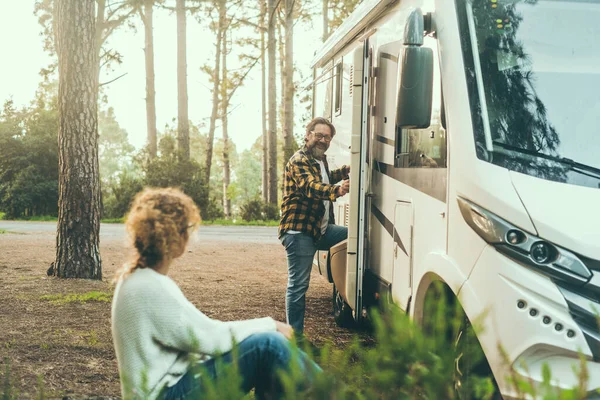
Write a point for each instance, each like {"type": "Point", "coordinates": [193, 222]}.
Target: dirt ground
{"type": "Point", "coordinates": [68, 344]}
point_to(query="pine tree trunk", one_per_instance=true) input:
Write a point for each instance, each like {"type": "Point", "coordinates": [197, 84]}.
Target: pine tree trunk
{"type": "Point", "coordinates": [263, 64]}
{"type": "Point", "coordinates": [99, 26]}
{"type": "Point", "coordinates": [225, 106]}
{"type": "Point", "coordinates": [281, 49]}
{"type": "Point", "coordinates": [183, 125]}
{"type": "Point", "coordinates": [78, 232]}
{"type": "Point", "coordinates": [215, 93]}
{"type": "Point", "coordinates": [272, 137]}
{"type": "Point", "coordinates": [325, 12]}
{"type": "Point", "coordinates": [288, 108]}
{"type": "Point", "coordinates": [150, 89]}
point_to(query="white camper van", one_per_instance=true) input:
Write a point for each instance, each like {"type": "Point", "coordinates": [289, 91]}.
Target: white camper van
{"type": "Point", "coordinates": [472, 129]}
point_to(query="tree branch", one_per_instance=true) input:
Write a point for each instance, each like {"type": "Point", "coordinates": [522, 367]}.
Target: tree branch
{"type": "Point", "coordinates": [111, 81]}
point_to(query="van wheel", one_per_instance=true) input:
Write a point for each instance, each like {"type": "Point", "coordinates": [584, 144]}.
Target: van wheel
{"type": "Point", "coordinates": [342, 313]}
{"type": "Point", "coordinates": [470, 363]}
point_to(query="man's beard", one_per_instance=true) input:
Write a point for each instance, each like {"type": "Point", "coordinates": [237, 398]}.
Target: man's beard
{"type": "Point", "coordinates": [318, 152]}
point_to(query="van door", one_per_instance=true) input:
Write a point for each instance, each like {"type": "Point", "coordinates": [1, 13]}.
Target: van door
{"type": "Point", "coordinates": [357, 221]}
{"type": "Point", "coordinates": [402, 249]}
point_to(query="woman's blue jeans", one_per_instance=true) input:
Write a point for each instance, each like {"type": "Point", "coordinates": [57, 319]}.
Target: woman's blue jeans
{"type": "Point", "coordinates": [301, 249]}
{"type": "Point", "coordinates": [259, 358]}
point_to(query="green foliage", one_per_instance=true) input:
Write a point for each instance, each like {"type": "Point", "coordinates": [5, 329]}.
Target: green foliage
{"type": "Point", "coordinates": [237, 222]}
{"type": "Point", "coordinates": [248, 176]}
{"type": "Point", "coordinates": [29, 160]}
{"type": "Point", "coordinates": [2, 231]}
{"type": "Point", "coordinates": [252, 210]}
{"type": "Point", "coordinates": [171, 170]}
{"type": "Point", "coordinates": [405, 363]}
{"type": "Point", "coordinates": [81, 298]}
{"type": "Point", "coordinates": [113, 220]}
{"type": "Point", "coordinates": [8, 392]}
{"type": "Point", "coordinates": [257, 210]}
{"type": "Point", "coordinates": [117, 196]}
{"type": "Point", "coordinates": [114, 150]}
{"type": "Point", "coordinates": [40, 218]}
{"type": "Point", "coordinates": [271, 211]}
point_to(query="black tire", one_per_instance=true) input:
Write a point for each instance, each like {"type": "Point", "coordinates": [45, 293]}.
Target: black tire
{"type": "Point", "coordinates": [470, 363]}
{"type": "Point", "coordinates": [342, 313]}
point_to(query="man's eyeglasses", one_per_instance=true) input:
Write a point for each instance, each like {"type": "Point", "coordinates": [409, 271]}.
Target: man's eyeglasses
{"type": "Point", "coordinates": [320, 136]}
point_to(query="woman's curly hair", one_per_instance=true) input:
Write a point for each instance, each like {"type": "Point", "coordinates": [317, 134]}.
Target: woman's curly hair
{"type": "Point", "coordinates": [159, 223]}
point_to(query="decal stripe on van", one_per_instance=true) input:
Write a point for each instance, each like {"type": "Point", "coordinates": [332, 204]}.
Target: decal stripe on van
{"type": "Point", "coordinates": [389, 227]}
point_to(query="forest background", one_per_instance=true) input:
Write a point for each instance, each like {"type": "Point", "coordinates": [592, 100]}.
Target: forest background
{"type": "Point", "coordinates": [225, 83]}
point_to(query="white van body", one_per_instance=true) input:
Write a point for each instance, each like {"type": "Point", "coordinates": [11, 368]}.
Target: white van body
{"type": "Point", "coordinates": [499, 197]}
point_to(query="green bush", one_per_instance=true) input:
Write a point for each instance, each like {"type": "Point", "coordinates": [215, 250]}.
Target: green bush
{"type": "Point", "coordinates": [252, 210]}
{"type": "Point", "coordinates": [271, 211]}
{"type": "Point", "coordinates": [257, 210]}
{"type": "Point", "coordinates": [117, 197]}
{"type": "Point", "coordinates": [405, 363]}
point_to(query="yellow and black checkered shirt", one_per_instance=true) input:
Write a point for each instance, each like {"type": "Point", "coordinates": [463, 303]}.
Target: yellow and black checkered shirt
{"type": "Point", "coordinates": [302, 208]}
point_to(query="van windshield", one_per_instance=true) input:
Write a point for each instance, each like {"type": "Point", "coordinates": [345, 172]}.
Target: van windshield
{"type": "Point", "coordinates": [533, 74]}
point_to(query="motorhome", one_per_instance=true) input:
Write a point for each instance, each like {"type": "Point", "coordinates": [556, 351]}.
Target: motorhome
{"type": "Point", "coordinates": [471, 128]}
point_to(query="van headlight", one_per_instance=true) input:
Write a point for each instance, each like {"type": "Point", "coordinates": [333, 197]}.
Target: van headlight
{"type": "Point", "coordinates": [534, 252]}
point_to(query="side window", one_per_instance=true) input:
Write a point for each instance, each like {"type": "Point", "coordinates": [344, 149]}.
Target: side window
{"type": "Point", "coordinates": [425, 148]}
{"type": "Point", "coordinates": [338, 78]}
{"type": "Point", "coordinates": [323, 88]}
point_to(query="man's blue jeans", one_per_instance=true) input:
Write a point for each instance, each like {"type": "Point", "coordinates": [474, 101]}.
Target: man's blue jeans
{"type": "Point", "coordinates": [301, 249]}
{"type": "Point", "coordinates": [259, 357]}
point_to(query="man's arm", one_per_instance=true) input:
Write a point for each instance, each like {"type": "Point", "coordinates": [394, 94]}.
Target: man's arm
{"type": "Point", "coordinates": [340, 174]}
{"type": "Point", "coordinates": [311, 184]}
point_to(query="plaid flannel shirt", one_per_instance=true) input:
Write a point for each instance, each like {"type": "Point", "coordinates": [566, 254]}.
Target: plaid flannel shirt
{"type": "Point", "coordinates": [302, 208]}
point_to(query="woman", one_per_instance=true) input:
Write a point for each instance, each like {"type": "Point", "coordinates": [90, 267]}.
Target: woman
{"type": "Point", "coordinates": [160, 337]}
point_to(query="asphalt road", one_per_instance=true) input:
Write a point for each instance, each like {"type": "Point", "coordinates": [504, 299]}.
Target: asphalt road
{"type": "Point", "coordinates": [238, 234]}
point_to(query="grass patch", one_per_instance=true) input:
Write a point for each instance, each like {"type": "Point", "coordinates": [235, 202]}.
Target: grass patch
{"type": "Point", "coordinates": [113, 220]}
{"type": "Point", "coordinates": [240, 222]}
{"type": "Point", "coordinates": [3, 230]}
{"type": "Point", "coordinates": [40, 218]}
{"type": "Point", "coordinates": [81, 298]}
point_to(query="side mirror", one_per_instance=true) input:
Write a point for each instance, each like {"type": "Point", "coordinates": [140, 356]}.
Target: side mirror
{"type": "Point", "coordinates": [415, 73]}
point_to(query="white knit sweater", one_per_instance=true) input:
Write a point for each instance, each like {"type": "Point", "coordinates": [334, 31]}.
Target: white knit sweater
{"type": "Point", "coordinates": [156, 330]}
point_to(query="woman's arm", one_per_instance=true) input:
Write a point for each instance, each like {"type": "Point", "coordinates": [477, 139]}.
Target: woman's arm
{"type": "Point", "coordinates": [180, 325]}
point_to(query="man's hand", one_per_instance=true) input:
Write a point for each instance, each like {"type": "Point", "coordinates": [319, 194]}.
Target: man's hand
{"type": "Point", "coordinates": [285, 329]}
{"type": "Point", "coordinates": [344, 188]}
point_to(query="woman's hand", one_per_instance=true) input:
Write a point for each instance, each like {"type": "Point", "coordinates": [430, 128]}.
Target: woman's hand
{"type": "Point", "coordinates": [285, 329]}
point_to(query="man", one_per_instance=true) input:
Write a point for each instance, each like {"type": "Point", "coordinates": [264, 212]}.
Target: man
{"type": "Point", "coordinates": [307, 223]}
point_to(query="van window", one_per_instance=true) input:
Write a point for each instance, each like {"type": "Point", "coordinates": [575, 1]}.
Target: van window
{"type": "Point", "coordinates": [338, 87]}
{"type": "Point", "coordinates": [323, 88]}
{"type": "Point", "coordinates": [425, 148]}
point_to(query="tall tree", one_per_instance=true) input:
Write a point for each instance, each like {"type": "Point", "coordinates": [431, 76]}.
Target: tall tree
{"type": "Point", "coordinates": [325, 14]}
{"type": "Point", "coordinates": [115, 153]}
{"type": "Point", "coordinates": [341, 9]}
{"type": "Point", "coordinates": [216, 81]}
{"type": "Point", "coordinates": [183, 124]}
{"type": "Point", "coordinates": [288, 88]}
{"type": "Point", "coordinates": [272, 136]}
{"type": "Point", "coordinates": [224, 111]}
{"type": "Point", "coordinates": [147, 16]}
{"type": "Point", "coordinates": [263, 66]}
{"type": "Point", "coordinates": [77, 244]}
{"type": "Point", "coordinates": [110, 15]}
